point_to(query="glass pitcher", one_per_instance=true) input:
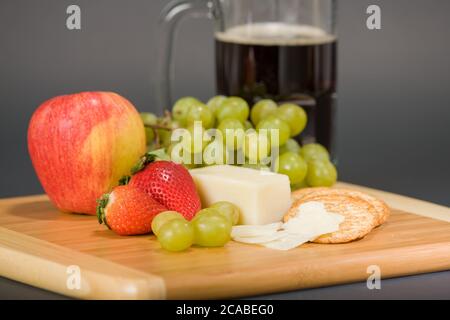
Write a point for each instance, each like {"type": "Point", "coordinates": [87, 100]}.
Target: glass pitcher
{"type": "Point", "coordinates": [283, 50]}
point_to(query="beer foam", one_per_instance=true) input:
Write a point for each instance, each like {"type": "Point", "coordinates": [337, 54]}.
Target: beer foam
{"type": "Point", "coordinates": [275, 34]}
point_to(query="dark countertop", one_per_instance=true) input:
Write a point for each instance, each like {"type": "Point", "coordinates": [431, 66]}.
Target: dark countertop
{"type": "Point", "coordinates": [424, 286]}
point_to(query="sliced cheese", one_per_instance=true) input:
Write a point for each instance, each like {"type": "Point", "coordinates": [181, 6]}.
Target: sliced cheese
{"type": "Point", "coordinates": [261, 196]}
{"type": "Point", "coordinates": [289, 241]}
{"type": "Point", "coordinates": [311, 221]}
{"type": "Point", "coordinates": [261, 239]}
{"type": "Point", "coordinates": [255, 230]}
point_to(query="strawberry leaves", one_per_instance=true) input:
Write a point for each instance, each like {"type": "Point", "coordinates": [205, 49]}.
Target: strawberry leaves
{"type": "Point", "coordinates": [146, 159]}
{"type": "Point", "coordinates": [100, 210]}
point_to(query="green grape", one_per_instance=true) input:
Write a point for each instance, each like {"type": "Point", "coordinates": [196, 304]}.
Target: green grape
{"type": "Point", "coordinates": [213, 153]}
{"type": "Point", "coordinates": [196, 140]}
{"type": "Point", "coordinates": [292, 165]}
{"type": "Point", "coordinates": [165, 134]}
{"type": "Point", "coordinates": [178, 153]}
{"type": "Point", "coordinates": [164, 137]}
{"type": "Point", "coordinates": [169, 151]}
{"type": "Point", "coordinates": [217, 153]}
{"type": "Point", "coordinates": [200, 112]}
{"type": "Point", "coordinates": [206, 211]}
{"type": "Point", "coordinates": [228, 210]}
{"type": "Point", "coordinates": [149, 119]}
{"type": "Point", "coordinates": [234, 108]}
{"type": "Point", "coordinates": [215, 102]}
{"type": "Point", "coordinates": [290, 145]}
{"type": "Point", "coordinates": [163, 217]}
{"type": "Point", "coordinates": [165, 122]}
{"type": "Point", "coordinates": [256, 146]}
{"type": "Point", "coordinates": [174, 125]}
{"type": "Point", "coordinates": [262, 109]}
{"type": "Point", "coordinates": [232, 133]}
{"type": "Point", "coordinates": [321, 173]}
{"type": "Point", "coordinates": [294, 115]}
{"type": "Point", "coordinates": [232, 157]}
{"type": "Point", "coordinates": [256, 166]}
{"type": "Point", "coordinates": [188, 159]}
{"type": "Point", "coordinates": [211, 229]}
{"type": "Point", "coordinates": [182, 107]}
{"type": "Point", "coordinates": [273, 122]}
{"type": "Point", "coordinates": [300, 185]}
{"type": "Point", "coordinates": [188, 146]}
{"type": "Point", "coordinates": [314, 151]}
{"type": "Point", "coordinates": [238, 157]}
{"type": "Point", "coordinates": [248, 125]}
{"type": "Point", "coordinates": [176, 235]}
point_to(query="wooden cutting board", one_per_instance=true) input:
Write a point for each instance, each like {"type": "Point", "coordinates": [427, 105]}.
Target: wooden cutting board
{"type": "Point", "coordinates": [43, 247]}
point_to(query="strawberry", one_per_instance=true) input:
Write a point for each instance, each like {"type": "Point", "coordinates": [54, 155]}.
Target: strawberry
{"type": "Point", "coordinates": [128, 211]}
{"type": "Point", "coordinates": [167, 182]}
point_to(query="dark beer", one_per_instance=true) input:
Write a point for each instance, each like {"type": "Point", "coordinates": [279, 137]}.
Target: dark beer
{"type": "Point", "coordinates": [286, 63]}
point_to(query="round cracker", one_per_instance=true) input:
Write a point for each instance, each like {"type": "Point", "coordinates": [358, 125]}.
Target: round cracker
{"type": "Point", "coordinates": [376, 206]}
{"type": "Point", "coordinates": [300, 193]}
{"type": "Point", "coordinates": [358, 220]}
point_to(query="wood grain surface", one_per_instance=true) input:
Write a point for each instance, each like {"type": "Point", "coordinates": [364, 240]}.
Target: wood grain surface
{"type": "Point", "coordinates": [38, 244]}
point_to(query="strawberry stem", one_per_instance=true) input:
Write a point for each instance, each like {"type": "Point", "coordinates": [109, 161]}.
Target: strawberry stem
{"type": "Point", "coordinates": [101, 205]}
{"type": "Point", "coordinates": [124, 180]}
{"type": "Point", "coordinates": [147, 158]}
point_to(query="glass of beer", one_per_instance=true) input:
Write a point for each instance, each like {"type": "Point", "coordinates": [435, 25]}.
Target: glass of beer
{"type": "Point", "coordinates": [284, 50]}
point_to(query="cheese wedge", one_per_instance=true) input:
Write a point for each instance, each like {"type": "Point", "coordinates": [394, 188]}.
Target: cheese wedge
{"type": "Point", "coordinates": [263, 197]}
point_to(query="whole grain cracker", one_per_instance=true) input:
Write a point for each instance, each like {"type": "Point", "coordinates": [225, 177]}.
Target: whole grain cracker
{"type": "Point", "coordinates": [378, 207]}
{"type": "Point", "coordinates": [358, 220]}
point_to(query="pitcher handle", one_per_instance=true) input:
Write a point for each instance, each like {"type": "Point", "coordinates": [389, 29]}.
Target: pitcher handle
{"type": "Point", "coordinates": [169, 20]}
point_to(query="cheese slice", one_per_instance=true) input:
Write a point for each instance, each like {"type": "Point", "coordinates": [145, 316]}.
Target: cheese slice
{"type": "Point", "coordinates": [287, 242]}
{"type": "Point", "coordinates": [261, 239]}
{"type": "Point", "coordinates": [311, 221]}
{"type": "Point", "coordinates": [246, 231]}
{"type": "Point", "coordinates": [263, 197]}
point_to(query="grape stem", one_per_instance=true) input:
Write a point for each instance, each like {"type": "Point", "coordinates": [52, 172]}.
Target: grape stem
{"type": "Point", "coordinates": [155, 126]}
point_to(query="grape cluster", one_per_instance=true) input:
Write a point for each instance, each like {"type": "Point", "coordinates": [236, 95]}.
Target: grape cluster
{"type": "Point", "coordinates": [211, 227]}
{"type": "Point", "coordinates": [248, 138]}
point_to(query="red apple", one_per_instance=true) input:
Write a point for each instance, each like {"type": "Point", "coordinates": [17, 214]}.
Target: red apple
{"type": "Point", "coordinates": [82, 144]}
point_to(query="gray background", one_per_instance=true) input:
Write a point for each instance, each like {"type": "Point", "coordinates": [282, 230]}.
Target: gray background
{"type": "Point", "coordinates": [394, 84]}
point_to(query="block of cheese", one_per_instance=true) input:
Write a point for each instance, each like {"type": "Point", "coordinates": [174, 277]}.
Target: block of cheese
{"type": "Point", "coordinates": [263, 197]}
